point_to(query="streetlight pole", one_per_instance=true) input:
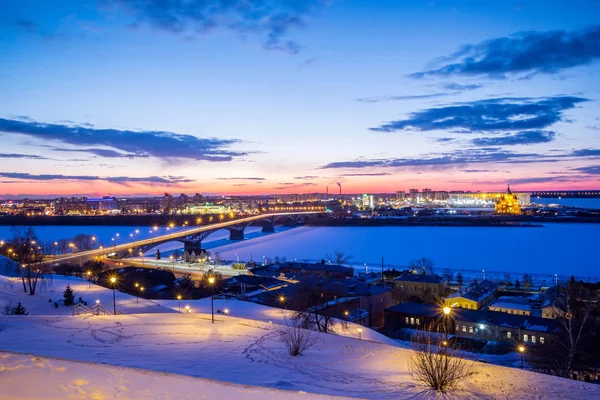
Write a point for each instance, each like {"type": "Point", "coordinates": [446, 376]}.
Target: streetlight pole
{"type": "Point", "coordinates": [447, 310]}
{"type": "Point", "coordinates": [521, 350]}
{"type": "Point", "coordinates": [211, 281]}
{"type": "Point", "coordinates": [179, 298]}
{"type": "Point", "coordinates": [113, 280]}
{"type": "Point", "coordinates": [137, 292]}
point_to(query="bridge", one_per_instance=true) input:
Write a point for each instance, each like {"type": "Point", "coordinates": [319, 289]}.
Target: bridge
{"type": "Point", "coordinates": [191, 237]}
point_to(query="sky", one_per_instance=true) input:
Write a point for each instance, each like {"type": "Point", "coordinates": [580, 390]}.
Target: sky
{"type": "Point", "coordinates": [138, 97]}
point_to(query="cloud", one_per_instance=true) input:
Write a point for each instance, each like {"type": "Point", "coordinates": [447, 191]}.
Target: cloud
{"type": "Point", "coordinates": [126, 143]}
{"type": "Point", "coordinates": [306, 177]}
{"type": "Point", "coordinates": [522, 53]}
{"type": "Point", "coordinates": [271, 20]}
{"type": "Point", "coordinates": [27, 25]}
{"type": "Point", "coordinates": [473, 171]}
{"type": "Point", "coordinates": [491, 115]}
{"type": "Point", "coordinates": [112, 179]}
{"type": "Point", "coordinates": [591, 169]}
{"type": "Point", "coordinates": [106, 153]}
{"type": "Point", "coordinates": [378, 99]}
{"type": "Point", "coordinates": [524, 137]}
{"type": "Point", "coordinates": [240, 179]}
{"type": "Point", "coordinates": [458, 86]}
{"type": "Point", "coordinates": [444, 139]}
{"type": "Point", "coordinates": [460, 158]}
{"type": "Point", "coordinates": [27, 156]}
{"type": "Point", "coordinates": [290, 185]}
{"type": "Point", "coordinates": [368, 174]}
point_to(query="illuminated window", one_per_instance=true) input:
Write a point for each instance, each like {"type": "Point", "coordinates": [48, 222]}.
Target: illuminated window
{"type": "Point", "coordinates": [508, 335]}
{"type": "Point", "coordinates": [533, 339]}
{"type": "Point", "coordinates": [541, 340]}
{"type": "Point", "coordinates": [412, 321]}
{"type": "Point", "coordinates": [525, 337]}
{"type": "Point", "coordinates": [406, 319]}
{"type": "Point", "coordinates": [470, 329]}
{"type": "Point", "coordinates": [417, 321]}
{"type": "Point", "coordinates": [464, 328]}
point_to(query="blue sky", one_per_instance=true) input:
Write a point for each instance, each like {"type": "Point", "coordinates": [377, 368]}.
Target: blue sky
{"type": "Point", "coordinates": [147, 96]}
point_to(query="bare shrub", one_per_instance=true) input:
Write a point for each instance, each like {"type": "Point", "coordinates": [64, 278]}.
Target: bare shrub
{"type": "Point", "coordinates": [296, 339]}
{"type": "Point", "coordinates": [436, 365]}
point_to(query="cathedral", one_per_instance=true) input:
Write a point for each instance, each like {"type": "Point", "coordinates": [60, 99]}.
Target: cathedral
{"type": "Point", "coordinates": [507, 204]}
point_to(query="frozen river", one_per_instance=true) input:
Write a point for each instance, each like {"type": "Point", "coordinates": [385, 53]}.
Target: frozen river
{"type": "Point", "coordinates": [564, 249]}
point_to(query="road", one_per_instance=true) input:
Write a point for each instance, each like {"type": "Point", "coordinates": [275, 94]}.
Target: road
{"type": "Point", "coordinates": [82, 256]}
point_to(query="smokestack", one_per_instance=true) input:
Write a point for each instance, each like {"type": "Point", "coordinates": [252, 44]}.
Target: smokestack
{"type": "Point", "coordinates": [340, 185]}
{"type": "Point", "coordinates": [327, 196]}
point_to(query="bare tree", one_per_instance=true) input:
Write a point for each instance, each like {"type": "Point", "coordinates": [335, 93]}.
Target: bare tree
{"type": "Point", "coordinates": [338, 257]}
{"type": "Point", "coordinates": [296, 339]}
{"type": "Point", "coordinates": [25, 248]}
{"type": "Point", "coordinates": [435, 364]}
{"type": "Point", "coordinates": [422, 266]}
{"type": "Point", "coordinates": [574, 347]}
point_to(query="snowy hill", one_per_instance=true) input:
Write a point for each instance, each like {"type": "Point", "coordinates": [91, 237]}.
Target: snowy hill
{"type": "Point", "coordinates": [248, 352]}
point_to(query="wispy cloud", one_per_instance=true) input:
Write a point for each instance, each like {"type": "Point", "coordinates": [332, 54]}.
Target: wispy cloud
{"type": "Point", "coordinates": [522, 53]}
{"type": "Point", "coordinates": [126, 143]}
{"type": "Point", "coordinates": [377, 99]}
{"type": "Point", "coordinates": [271, 20]}
{"type": "Point", "coordinates": [306, 177]}
{"type": "Point", "coordinates": [367, 174]}
{"type": "Point", "coordinates": [490, 115]}
{"type": "Point", "coordinates": [292, 185]}
{"type": "Point", "coordinates": [461, 158]}
{"type": "Point", "coordinates": [240, 179]}
{"type": "Point", "coordinates": [591, 169]}
{"type": "Point", "coordinates": [113, 179]}
{"type": "Point", "coordinates": [519, 138]}
{"type": "Point", "coordinates": [26, 156]}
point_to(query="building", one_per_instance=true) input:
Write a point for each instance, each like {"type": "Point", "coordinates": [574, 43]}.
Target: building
{"type": "Point", "coordinates": [297, 270]}
{"type": "Point", "coordinates": [553, 304]}
{"type": "Point", "coordinates": [508, 203]}
{"type": "Point", "coordinates": [484, 199]}
{"type": "Point", "coordinates": [419, 287]}
{"type": "Point", "coordinates": [511, 305]}
{"type": "Point", "coordinates": [481, 325]}
{"type": "Point", "coordinates": [474, 296]}
{"type": "Point", "coordinates": [491, 325]}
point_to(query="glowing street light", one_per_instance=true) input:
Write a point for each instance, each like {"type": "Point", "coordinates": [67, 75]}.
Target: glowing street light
{"type": "Point", "coordinates": [211, 281]}
{"type": "Point", "coordinates": [113, 281]}
{"type": "Point", "coordinates": [282, 300]}
{"type": "Point", "coordinates": [521, 350]}
{"type": "Point", "coordinates": [89, 276]}
{"type": "Point", "coordinates": [359, 330]}
{"type": "Point", "coordinates": [187, 309]}
{"type": "Point", "coordinates": [179, 298]}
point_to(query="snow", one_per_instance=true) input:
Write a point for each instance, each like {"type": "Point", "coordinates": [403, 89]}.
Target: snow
{"type": "Point", "coordinates": [57, 378]}
{"type": "Point", "coordinates": [11, 291]}
{"type": "Point", "coordinates": [248, 352]}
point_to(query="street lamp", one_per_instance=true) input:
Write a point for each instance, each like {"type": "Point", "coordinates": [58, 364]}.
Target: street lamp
{"type": "Point", "coordinates": [359, 330]}
{"type": "Point", "coordinates": [187, 309]}
{"type": "Point", "coordinates": [89, 276]}
{"type": "Point", "coordinates": [113, 281]}
{"type": "Point", "coordinates": [282, 300]}
{"type": "Point", "coordinates": [521, 350]}
{"type": "Point", "coordinates": [137, 292]}
{"type": "Point", "coordinates": [211, 281]}
{"type": "Point", "coordinates": [447, 310]}
{"type": "Point", "coordinates": [179, 298]}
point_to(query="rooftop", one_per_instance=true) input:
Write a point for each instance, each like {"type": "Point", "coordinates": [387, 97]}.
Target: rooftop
{"type": "Point", "coordinates": [418, 278]}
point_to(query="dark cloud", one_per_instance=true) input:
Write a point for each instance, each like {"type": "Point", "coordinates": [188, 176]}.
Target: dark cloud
{"type": "Point", "coordinates": [106, 153]}
{"type": "Point", "coordinates": [307, 177]}
{"type": "Point", "coordinates": [458, 158]}
{"type": "Point", "coordinates": [271, 20]}
{"type": "Point", "coordinates": [591, 169]}
{"type": "Point", "coordinates": [586, 153]}
{"type": "Point", "coordinates": [240, 179]}
{"type": "Point", "coordinates": [27, 156]}
{"type": "Point", "coordinates": [124, 143]}
{"type": "Point", "coordinates": [113, 179]}
{"type": "Point", "coordinates": [444, 139]}
{"type": "Point", "coordinates": [493, 115]}
{"type": "Point", "coordinates": [522, 53]}
{"type": "Point", "coordinates": [473, 171]}
{"type": "Point", "coordinates": [525, 137]}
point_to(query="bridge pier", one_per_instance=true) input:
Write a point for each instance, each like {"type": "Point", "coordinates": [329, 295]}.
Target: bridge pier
{"type": "Point", "coordinates": [268, 227]}
{"type": "Point", "coordinates": [236, 234]}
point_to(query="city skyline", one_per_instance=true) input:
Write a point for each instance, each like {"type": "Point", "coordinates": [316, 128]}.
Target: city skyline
{"type": "Point", "coordinates": [118, 97]}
